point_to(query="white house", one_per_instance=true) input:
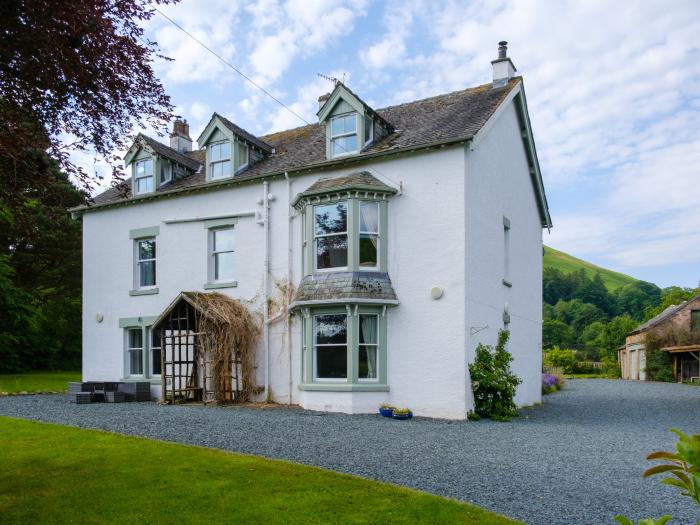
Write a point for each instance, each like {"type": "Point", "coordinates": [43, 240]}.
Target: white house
{"type": "Point", "coordinates": [409, 234]}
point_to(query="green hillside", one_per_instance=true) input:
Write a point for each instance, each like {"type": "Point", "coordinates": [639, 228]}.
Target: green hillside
{"type": "Point", "coordinates": [566, 263]}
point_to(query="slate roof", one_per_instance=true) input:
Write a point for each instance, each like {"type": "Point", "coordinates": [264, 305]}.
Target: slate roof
{"type": "Point", "coordinates": [362, 180]}
{"type": "Point", "coordinates": [237, 130]}
{"type": "Point", "coordinates": [345, 286]}
{"type": "Point", "coordinates": [169, 153]}
{"type": "Point", "coordinates": [663, 316]}
{"type": "Point", "coordinates": [432, 121]}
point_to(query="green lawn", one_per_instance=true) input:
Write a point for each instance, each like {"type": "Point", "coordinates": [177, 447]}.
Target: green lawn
{"type": "Point", "coordinates": [37, 381]}
{"type": "Point", "coordinates": [568, 263]}
{"type": "Point", "coordinates": [57, 474]}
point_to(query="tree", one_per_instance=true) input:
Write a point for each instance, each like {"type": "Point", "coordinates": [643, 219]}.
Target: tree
{"type": "Point", "coordinates": [593, 291]}
{"type": "Point", "coordinates": [634, 298]}
{"type": "Point", "coordinates": [556, 333]}
{"type": "Point", "coordinates": [74, 69]}
{"type": "Point", "coordinates": [578, 314]}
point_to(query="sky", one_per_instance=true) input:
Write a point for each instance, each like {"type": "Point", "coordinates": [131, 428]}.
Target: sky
{"type": "Point", "coordinates": [613, 91]}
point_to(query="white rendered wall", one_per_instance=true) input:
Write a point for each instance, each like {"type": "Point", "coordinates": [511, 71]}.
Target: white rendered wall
{"type": "Point", "coordinates": [425, 337]}
{"type": "Point", "coordinates": [498, 185]}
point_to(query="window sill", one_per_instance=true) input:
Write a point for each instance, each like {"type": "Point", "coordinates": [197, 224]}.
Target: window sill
{"type": "Point", "coordinates": [145, 291]}
{"type": "Point", "coordinates": [214, 286]}
{"type": "Point", "coordinates": [344, 387]}
{"type": "Point", "coordinates": [507, 283]}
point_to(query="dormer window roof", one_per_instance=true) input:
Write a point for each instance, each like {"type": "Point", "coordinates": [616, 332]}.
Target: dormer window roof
{"type": "Point", "coordinates": [229, 148]}
{"type": "Point", "coordinates": [153, 164]}
{"type": "Point", "coordinates": [351, 125]}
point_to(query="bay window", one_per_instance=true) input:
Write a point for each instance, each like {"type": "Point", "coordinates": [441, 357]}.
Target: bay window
{"type": "Point", "coordinates": [344, 135]}
{"type": "Point", "coordinates": [143, 176]}
{"type": "Point", "coordinates": [344, 348]}
{"type": "Point", "coordinates": [331, 235]}
{"type": "Point", "coordinates": [220, 160]}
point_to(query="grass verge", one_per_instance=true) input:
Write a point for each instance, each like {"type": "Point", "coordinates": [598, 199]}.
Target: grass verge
{"type": "Point", "coordinates": [57, 474]}
{"type": "Point", "coordinates": [37, 381]}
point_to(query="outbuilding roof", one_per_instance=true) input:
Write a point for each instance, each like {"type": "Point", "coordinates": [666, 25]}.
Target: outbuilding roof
{"type": "Point", "coordinates": [669, 312]}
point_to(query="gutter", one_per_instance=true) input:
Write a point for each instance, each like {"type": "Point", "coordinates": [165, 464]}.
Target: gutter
{"type": "Point", "coordinates": [78, 210]}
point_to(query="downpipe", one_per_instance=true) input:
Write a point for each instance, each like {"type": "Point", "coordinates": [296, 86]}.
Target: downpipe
{"type": "Point", "coordinates": [266, 287]}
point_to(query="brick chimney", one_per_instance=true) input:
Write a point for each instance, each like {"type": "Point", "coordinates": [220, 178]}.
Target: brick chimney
{"type": "Point", "coordinates": [180, 137]}
{"type": "Point", "coordinates": [503, 68]}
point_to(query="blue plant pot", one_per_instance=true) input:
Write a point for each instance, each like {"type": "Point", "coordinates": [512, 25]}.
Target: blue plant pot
{"type": "Point", "coordinates": [403, 416]}
{"type": "Point", "coordinates": [386, 412]}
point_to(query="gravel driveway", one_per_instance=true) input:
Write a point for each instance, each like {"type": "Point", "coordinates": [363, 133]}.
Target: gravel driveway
{"type": "Point", "coordinates": [576, 460]}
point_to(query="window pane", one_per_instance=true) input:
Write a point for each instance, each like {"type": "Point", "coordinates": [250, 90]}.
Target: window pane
{"type": "Point", "coordinates": [367, 366]}
{"type": "Point", "coordinates": [139, 169]}
{"type": "Point", "coordinates": [225, 150]}
{"type": "Point", "coordinates": [337, 126]}
{"type": "Point", "coordinates": [135, 338]}
{"type": "Point", "coordinates": [369, 217]}
{"type": "Point", "coordinates": [242, 153]}
{"type": "Point", "coordinates": [223, 240]}
{"type": "Point", "coordinates": [332, 252]}
{"type": "Point", "coordinates": [695, 321]}
{"type": "Point", "coordinates": [165, 172]}
{"type": "Point", "coordinates": [155, 352]}
{"type": "Point", "coordinates": [349, 123]}
{"type": "Point", "coordinates": [223, 266]}
{"type": "Point", "coordinates": [136, 362]}
{"type": "Point", "coordinates": [368, 329]}
{"type": "Point", "coordinates": [144, 185]}
{"type": "Point", "coordinates": [331, 329]}
{"type": "Point", "coordinates": [344, 145]}
{"type": "Point", "coordinates": [147, 250]}
{"type": "Point", "coordinates": [214, 152]}
{"type": "Point", "coordinates": [148, 167]}
{"type": "Point", "coordinates": [331, 218]}
{"type": "Point", "coordinates": [147, 273]}
{"type": "Point", "coordinates": [331, 362]}
{"type": "Point", "coordinates": [368, 250]}
{"type": "Point", "coordinates": [368, 129]}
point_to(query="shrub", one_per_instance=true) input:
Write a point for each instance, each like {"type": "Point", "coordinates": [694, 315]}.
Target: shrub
{"type": "Point", "coordinates": [557, 357]}
{"type": "Point", "coordinates": [493, 382]}
{"type": "Point", "coordinates": [552, 381]}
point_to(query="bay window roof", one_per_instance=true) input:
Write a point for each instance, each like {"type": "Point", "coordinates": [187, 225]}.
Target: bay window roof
{"type": "Point", "coordinates": [345, 288]}
{"type": "Point", "coordinates": [361, 183]}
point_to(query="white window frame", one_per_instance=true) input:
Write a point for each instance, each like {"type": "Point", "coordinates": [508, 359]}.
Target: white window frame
{"type": "Point", "coordinates": [315, 346]}
{"type": "Point", "coordinates": [375, 345]}
{"type": "Point", "coordinates": [246, 148]}
{"type": "Point", "coordinates": [213, 253]}
{"type": "Point", "coordinates": [376, 234]}
{"type": "Point", "coordinates": [130, 349]}
{"type": "Point", "coordinates": [323, 235]}
{"type": "Point", "coordinates": [370, 121]}
{"type": "Point", "coordinates": [151, 176]}
{"type": "Point", "coordinates": [358, 140]}
{"type": "Point", "coordinates": [138, 261]}
{"type": "Point", "coordinates": [167, 167]}
{"type": "Point", "coordinates": [229, 159]}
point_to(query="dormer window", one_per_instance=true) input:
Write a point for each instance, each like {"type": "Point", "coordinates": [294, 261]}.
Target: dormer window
{"type": "Point", "coordinates": [143, 176]}
{"type": "Point", "coordinates": [344, 135]}
{"type": "Point", "coordinates": [220, 160]}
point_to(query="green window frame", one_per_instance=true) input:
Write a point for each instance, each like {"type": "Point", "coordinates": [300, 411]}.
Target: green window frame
{"type": "Point", "coordinates": [142, 348]}
{"type": "Point", "coordinates": [343, 132]}
{"type": "Point", "coordinates": [365, 235]}
{"type": "Point", "coordinates": [365, 347]}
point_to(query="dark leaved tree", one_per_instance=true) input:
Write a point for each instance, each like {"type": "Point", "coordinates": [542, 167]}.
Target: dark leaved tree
{"type": "Point", "coordinates": [74, 76]}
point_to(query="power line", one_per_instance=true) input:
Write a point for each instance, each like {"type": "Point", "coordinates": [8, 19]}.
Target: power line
{"type": "Point", "coordinates": [232, 66]}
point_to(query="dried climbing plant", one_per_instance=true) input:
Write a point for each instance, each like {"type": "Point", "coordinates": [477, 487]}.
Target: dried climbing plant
{"type": "Point", "coordinates": [228, 335]}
